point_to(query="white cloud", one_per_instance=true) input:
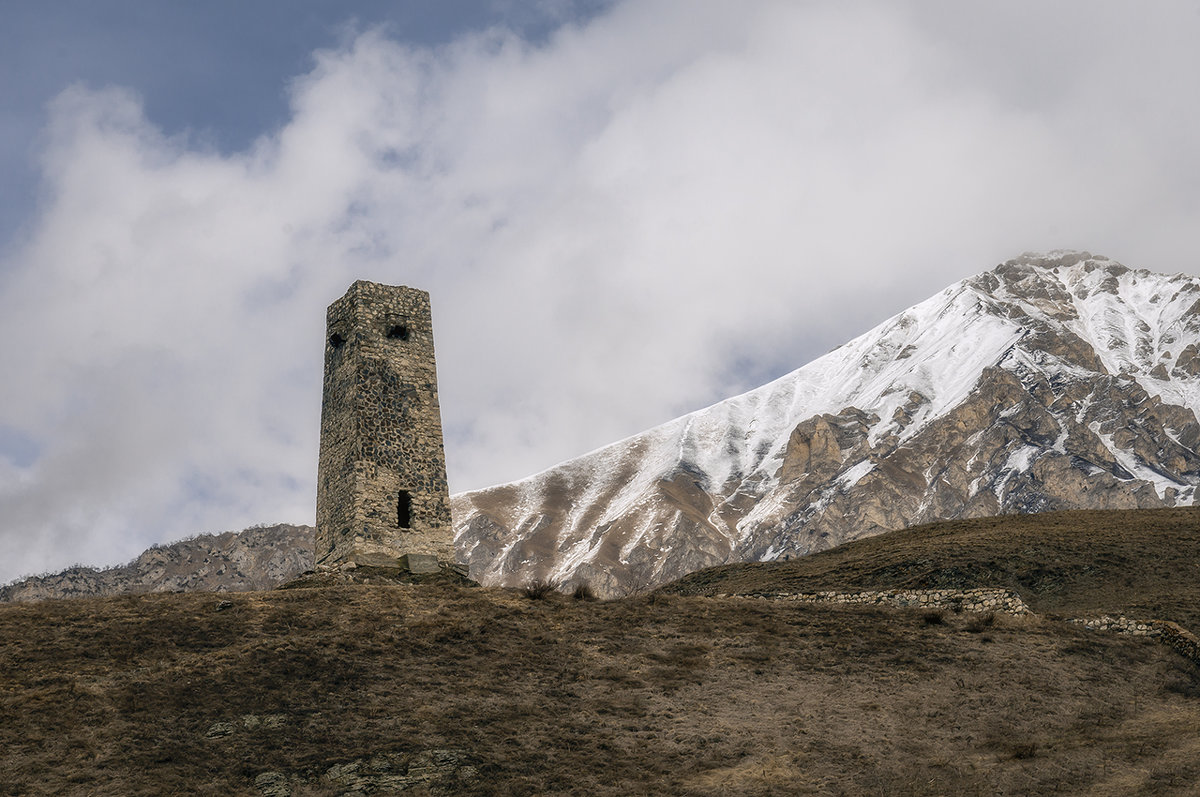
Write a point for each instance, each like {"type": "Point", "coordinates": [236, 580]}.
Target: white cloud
{"type": "Point", "coordinates": [636, 218]}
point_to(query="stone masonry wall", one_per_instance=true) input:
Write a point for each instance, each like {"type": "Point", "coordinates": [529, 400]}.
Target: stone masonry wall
{"type": "Point", "coordinates": [994, 599]}
{"type": "Point", "coordinates": [1182, 641]}
{"type": "Point", "coordinates": [381, 483]}
{"type": "Point", "coordinates": [982, 599]}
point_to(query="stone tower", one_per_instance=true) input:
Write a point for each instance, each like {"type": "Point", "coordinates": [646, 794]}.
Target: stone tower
{"type": "Point", "coordinates": [381, 480]}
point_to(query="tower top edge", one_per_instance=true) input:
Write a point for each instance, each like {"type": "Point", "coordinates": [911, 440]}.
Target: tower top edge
{"type": "Point", "coordinates": [366, 286]}
{"type": "Point", "coordinates": [367, 291]}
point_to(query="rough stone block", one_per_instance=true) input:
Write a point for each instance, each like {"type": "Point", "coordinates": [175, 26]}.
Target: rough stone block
{"type": "Point", "coordinates": [420, 563]}
{"type": "Point", "coordinates": [369, 559]}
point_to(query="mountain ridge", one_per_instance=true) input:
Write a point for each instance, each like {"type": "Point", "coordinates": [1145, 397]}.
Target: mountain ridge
{"type": "Point", "coordinates": [257, 558]}
{"type": "Point", "coordinates": [1092, 364]}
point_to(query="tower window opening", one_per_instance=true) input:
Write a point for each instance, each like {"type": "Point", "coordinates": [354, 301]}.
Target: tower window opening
{"type": "Point", "coordinates": [398, 331]}
{"type": "Point", "coordinates": [404, 510]}
{"type": "Point", "coordinates": [336, 340]}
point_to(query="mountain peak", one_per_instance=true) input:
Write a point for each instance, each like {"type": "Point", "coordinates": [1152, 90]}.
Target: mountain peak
{"type": "Point", "coordinates": [1061, 380]}
{"type": "Point", "coordinates": [1057, 274]}
{"type": "Point", "coordinates": [1060, 258]}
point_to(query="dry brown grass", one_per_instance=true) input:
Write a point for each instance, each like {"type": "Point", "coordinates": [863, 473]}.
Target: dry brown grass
{"type": "Point", "coordinates": [330, 685]}
{"type": "Point", "coordinates": [657, 694]}
{"type": "Point", "coordinates": [1145, 563]}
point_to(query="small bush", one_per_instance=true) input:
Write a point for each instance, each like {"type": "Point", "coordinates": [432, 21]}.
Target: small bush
{"type": "Point", "coordinates": [1183, 679]}
{"type": "Point", "coordinates": [540, 588]}
{"type": "Point", "coordinates": [934, 617]}
{"type": "Point", "coordinates": [1181, 686]}
{"type": "Point", "coordinates": [980, 623]}
{"type": "Point", "coordinates": [1022, 750]}
{"type": "Point", "coordinates": [583, 592]}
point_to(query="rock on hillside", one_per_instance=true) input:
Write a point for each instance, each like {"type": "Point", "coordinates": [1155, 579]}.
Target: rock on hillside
{"type": "Point", "coordinates": [255, 559]}
{"type": "Point", "coordinates": [1058, 381]}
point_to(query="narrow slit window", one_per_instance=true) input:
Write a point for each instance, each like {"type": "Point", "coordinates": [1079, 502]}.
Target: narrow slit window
{"type": "Point", "coordinates": [336, 340]}
{"type": "Point", "coordinates": [404, 510]}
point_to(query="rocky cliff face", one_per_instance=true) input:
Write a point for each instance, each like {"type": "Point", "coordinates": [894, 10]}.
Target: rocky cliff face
{"type": "Point", "coordinates": [1058, 381]}
{"type": "Point", "coordinates": [254, 559]}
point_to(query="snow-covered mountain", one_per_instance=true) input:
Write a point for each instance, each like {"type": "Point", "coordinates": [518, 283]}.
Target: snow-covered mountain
{"type": "Point", "coordinates": [1054, 381]}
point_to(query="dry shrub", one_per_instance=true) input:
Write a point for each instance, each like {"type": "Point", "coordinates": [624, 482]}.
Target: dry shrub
{"type": "Point", "coordinates": [934, 617]}
{"type": "Point", "coordinates": [1022, 750]}
{"type": "Point", "coordinates": [1183, 678]}
{"type": "Point", "coordinates": [540, 588]}
{"type": "Point", "coordinates": [980, 622]}
{"type": "Point", "coordinates": [583, 592]}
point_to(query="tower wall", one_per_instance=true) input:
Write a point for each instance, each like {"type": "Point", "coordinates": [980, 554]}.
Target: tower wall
{"type": "Point", "coordinates": [381, 481]}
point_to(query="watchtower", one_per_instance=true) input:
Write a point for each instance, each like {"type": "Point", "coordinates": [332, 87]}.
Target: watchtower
{"type": "Point", "coordinates": [381, 479]}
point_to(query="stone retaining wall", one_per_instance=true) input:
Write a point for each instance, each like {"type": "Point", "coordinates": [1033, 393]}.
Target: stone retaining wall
{"type": "Point", "coordinates": [1184, 642]}
{"type": "Point", "coordinates": [1181, 640]}
{"type": "Point", "coordinates": [1121, 625]}
{"type": "Point", "coordinates": [982, 599]}
{"type": "Point", "coordinates": [993, 599]}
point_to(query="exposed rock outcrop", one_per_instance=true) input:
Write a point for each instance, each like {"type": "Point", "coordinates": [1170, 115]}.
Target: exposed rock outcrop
{"type": "Point", "coordinates": [257, 558]}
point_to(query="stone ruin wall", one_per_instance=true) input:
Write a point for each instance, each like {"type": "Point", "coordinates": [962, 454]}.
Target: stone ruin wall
{"type": "Point", "coordinates": [994, 599]}
{"type": "Point", "coordinates": [381, 484]}
{"type": "Point", "coordinates": [1182, 641]}
{"type": "Point", "coordinates": [980, 599]}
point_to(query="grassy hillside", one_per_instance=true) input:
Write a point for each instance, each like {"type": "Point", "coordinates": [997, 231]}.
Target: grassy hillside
{"type": "Point", "coordinates": [1143, 562]}
{"type": "Point", "coordinates": [443, 689]}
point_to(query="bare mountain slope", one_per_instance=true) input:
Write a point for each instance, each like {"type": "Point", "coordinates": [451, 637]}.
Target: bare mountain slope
{"type": "Point", "coordinates": [1061, 381]}
{"type": "Point", "coordinates": [254, 559]}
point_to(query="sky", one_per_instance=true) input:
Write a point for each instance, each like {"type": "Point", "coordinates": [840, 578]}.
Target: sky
{"type": "Point", "coordinates": [623, 211]}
